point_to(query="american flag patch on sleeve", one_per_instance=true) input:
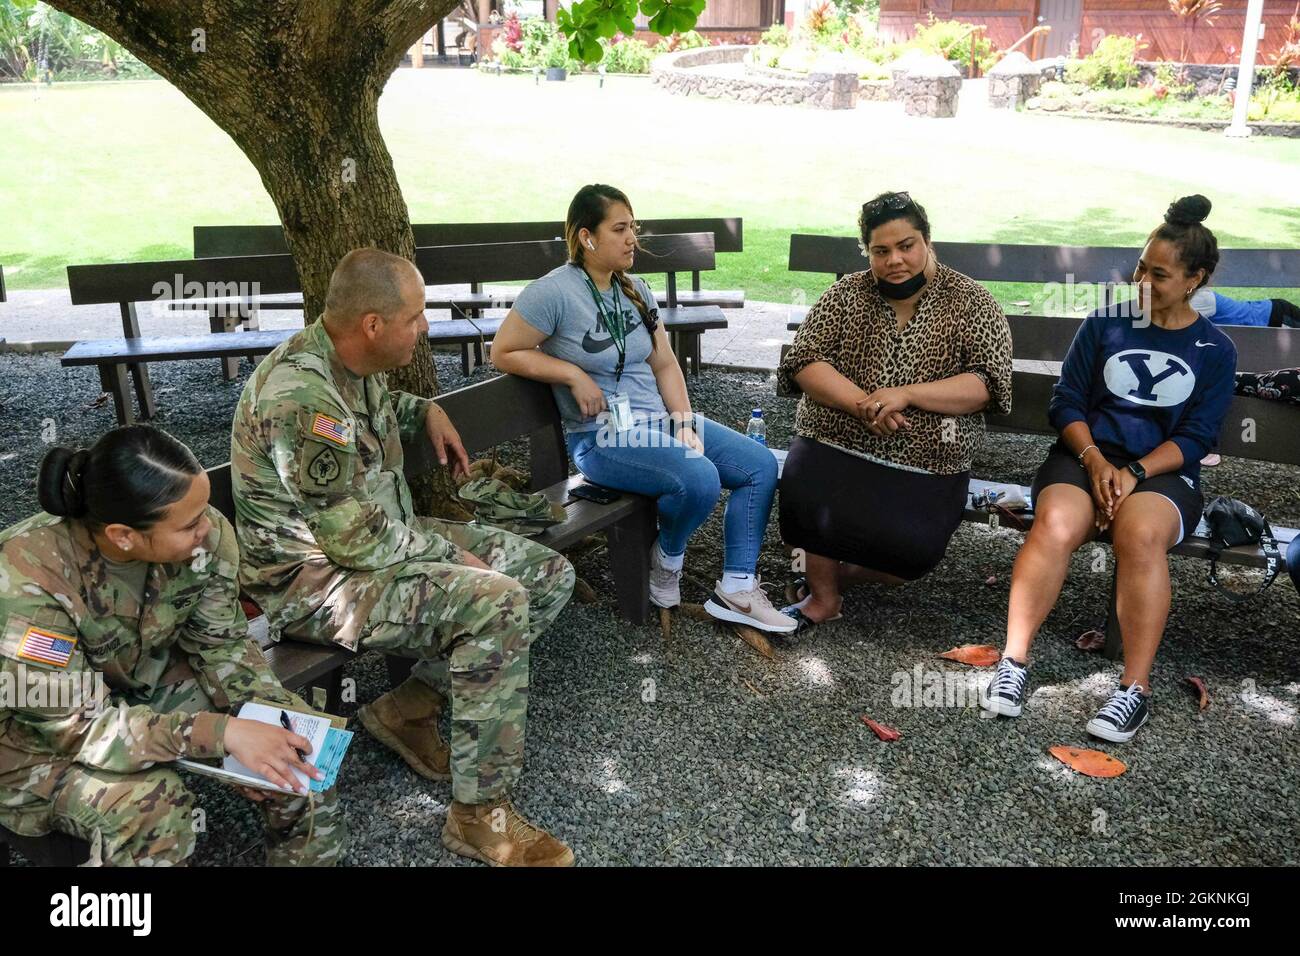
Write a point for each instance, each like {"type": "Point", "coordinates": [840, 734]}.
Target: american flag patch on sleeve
{"type": "Point", "coordinates": [331, 429]}
{"type": "Point", "coordinates": [47, 647]}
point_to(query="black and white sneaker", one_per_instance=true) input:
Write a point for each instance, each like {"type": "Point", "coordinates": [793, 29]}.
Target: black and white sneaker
{"type": "Point", "coordinates": [1005, 694]}
{"type": "Point", "coordinates": [1121, 716]}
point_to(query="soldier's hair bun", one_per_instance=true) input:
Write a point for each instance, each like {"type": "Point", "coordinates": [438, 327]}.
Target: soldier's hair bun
{"type": "Point", "coordinates": [131, 476]}
{"type": "Point", "coordinates": [60, 487]}
{"type": "Point", "coordinates": [1188, 211]}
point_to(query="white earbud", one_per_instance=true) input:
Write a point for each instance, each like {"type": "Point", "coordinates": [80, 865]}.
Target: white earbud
{"type": "Point", "coordinates": [591, 246]}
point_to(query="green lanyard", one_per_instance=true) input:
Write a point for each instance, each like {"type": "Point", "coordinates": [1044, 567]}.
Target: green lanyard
{"type": "Point", "coordinates": [613, 326]}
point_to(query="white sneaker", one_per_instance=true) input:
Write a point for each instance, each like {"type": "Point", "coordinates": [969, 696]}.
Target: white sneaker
{"type": "Point", "coordinates": [751, 608]}
{"type": "Point", "coordinates": [665, 585]}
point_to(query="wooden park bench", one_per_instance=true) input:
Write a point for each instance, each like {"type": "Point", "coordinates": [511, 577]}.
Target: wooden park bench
{"type": "Point", "coordinates": [244, 279]}
{"type": "Point", "coordinates": [486, 415]}
{"type": "Point", "coordinates": [1045, 339]}
{"type": "Point", "coordinates": [1109, 266]}
{"type": "Point", "coordinates": [728, 237]}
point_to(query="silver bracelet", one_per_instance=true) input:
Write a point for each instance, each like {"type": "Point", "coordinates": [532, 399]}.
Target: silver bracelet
{"type": "Point", "coordinates": [1084, 452]}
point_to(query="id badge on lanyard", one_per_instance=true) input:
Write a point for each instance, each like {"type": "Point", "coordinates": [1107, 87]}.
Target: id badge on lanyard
{"type": "Point", "coordinates": [619, 405]}
{"type": "Point", "coordinates": [620, 411]}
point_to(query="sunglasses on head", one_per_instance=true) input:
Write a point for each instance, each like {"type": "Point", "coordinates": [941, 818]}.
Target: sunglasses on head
{"type": "Point", "coordinates": [895, 202]}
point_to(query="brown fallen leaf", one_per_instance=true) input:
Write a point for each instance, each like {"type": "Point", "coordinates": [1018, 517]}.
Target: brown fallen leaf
{"type": "Point", "coordinates": [1199, 687]}
{"type": "Point", "coordinates": [754, 639]}
{"type": "Point", "coordinates": [756, 691]}
{"type": "Point", "coordinates": [885, 733]}
{"type": "Point", "coordinates": [665, 623]}
{"type": "Point", "coordinates": [584, 593]}
{"type": "Point", "coordinates": [1090, 763]}
{"type": "Point", "coordinates": [696, 612]}
{"type": "Point", "coordinates": [1090, 641]}
{"type": "Point", "coordinates": [976, 655]}
{"type": "Point", "coordinates": [97, 402]}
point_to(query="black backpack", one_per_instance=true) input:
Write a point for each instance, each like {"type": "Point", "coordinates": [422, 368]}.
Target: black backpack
{"type": "Point", "coordinates": [1234, 523]}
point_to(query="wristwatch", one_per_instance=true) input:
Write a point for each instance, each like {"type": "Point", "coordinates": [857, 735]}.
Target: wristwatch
{"type": "Point", "coordinates": [1138, 471]}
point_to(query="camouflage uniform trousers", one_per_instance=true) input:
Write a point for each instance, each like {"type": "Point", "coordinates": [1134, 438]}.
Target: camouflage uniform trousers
{"type": "Point", "coordinates": [146, 818]}
{"type": "Point", "coordinates": [468, 629]}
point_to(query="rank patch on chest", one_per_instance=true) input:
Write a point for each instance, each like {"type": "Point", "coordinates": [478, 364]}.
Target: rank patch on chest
{"type": "Point", "coordinates": [331, 429]}
{"type": "Point", "coordinates": [324, 468]}
{"type": "Point", "coordinates": [47, 647]}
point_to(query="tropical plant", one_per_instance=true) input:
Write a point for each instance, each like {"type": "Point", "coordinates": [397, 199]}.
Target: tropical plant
{"type": "Point", "coordinates": [628, 56]}
{"type": "Point", "coordinates": [1111, 65]}
{"type": "Point", "coordinates": [1192, 12]}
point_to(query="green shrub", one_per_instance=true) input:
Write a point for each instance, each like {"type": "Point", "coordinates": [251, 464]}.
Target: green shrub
{"type": "Point", "coordinates": [627, 56]}
{"type": "Point", "coordinates": [775, 36]}
{"type": "Point", "coordinates": [952, 39]}
{"type": "Point", "coordinates": [1112, 65]}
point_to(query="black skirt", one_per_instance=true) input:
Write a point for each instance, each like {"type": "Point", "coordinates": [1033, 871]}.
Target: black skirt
{"type": "Point", "coordinates": [848, 508]}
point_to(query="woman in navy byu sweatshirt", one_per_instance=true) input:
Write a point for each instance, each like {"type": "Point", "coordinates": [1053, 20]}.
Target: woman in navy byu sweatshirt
{"type": "Point", "coordinates": [1141, 399]}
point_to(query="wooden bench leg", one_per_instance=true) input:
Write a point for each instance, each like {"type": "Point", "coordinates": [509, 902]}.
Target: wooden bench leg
{"type": "Point", "coordinates": [221, 320]}
{"type": "Point", "coordinates": [1114, 640]}
{"type": "Point", "coordinates": [113, 379]}
{"type": "Point", "coordinates": [4, 850]}
{"type": "Point", "coordinates": [695, 354]}
{"type": "Point", "coordinates": [399, 668]}
{"type": "Point", "coordinates": [629, 559]}
{"type": "Point", "coordinates": [681, 349]}
{"type": "Point", "coordinates": [464, 359]}
{"type": "Point", "coordinates": [144, 390]}
{"type": "Point", "coordinates": [333, 684]}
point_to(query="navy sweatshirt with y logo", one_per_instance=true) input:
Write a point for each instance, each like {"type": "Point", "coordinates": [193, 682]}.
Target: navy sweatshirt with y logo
{"type": "Point", "coordinates": [1138, 385]}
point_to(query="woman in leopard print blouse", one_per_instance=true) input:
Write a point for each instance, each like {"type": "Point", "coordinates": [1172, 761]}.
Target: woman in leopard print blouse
{"type": "Point", "coordinates": [897, 365]}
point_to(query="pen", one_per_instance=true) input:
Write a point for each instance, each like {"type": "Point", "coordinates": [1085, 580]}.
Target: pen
{"type": "Point", "coordinates": [284, 722]}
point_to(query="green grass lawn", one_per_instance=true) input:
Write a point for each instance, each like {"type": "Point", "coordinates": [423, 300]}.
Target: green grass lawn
{"type": "Point", "coordinates": [122, 171]}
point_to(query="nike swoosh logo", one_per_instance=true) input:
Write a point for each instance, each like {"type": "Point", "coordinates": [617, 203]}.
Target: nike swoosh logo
{"type": "Point", "coordinates": [595, 346]}
{"type": "Point", "coordinates": [1201, 345]}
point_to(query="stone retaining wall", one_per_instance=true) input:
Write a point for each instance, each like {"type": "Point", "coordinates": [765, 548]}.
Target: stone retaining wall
{"type": "Point", "coordinates": [876, 91]}
{"type": "Point", "coordinates": [1288, 130]}
{"type": "Point", "coordinates": [679, 73]}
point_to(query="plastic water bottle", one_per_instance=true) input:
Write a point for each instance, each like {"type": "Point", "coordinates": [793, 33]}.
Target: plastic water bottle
{"type": "Point", "coordinates": [757, 428]}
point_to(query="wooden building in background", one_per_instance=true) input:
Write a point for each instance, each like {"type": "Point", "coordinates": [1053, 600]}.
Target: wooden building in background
{"type": "Point", "coordinates": [1087, 21]}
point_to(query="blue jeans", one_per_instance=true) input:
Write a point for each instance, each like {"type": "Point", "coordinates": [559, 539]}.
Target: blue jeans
{"type": "Point", "coordinates": [1293, 560]}
{"type": "Point", "coordinates": [647, 461]}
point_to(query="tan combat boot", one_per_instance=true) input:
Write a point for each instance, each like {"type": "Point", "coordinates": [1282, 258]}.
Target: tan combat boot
{"type": "Point", "coordinates": [495, 834]}
{"type": "Point", "coordinates": [406, 721]}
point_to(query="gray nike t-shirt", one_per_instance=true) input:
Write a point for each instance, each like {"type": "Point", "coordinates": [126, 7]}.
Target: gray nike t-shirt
{"type": "Point", "coordinates": [559, 304]}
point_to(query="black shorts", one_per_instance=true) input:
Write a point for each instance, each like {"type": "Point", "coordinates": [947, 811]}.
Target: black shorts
{"type": "Point", "coordinates": [1062, 468]}
{"type": "Point", "coordinates": [848, 508]}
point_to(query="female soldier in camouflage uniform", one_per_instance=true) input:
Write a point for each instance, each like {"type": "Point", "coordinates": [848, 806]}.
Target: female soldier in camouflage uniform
{"type": "Point", "coordinates": [128, 581]}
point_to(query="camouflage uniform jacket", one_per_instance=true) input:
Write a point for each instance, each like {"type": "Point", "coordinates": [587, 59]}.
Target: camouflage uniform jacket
{"type": "Point", "coordinates": [316, 471]}
{"type": "Point", "coordinates": [54, 584]}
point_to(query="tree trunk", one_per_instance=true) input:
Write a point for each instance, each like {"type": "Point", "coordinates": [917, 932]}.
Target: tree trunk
{"type": "Point", "coordinates": [296, 84]}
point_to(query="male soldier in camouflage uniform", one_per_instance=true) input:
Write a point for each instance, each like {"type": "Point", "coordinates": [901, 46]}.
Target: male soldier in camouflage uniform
{"type": "Point", "coordinates": [333, 551]}
{"type": "Point", "coordinates": [171, 659]}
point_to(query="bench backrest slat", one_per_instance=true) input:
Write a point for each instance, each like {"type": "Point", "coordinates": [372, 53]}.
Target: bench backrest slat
{"type": "Point", "coordinates": [1004, 262]}
{"type": "Point", "coordinates": [223, 241]}
{"type": "Point", "coordinates": [241, 276]}
{"type": "Point", "coordinates": [1047, 338]}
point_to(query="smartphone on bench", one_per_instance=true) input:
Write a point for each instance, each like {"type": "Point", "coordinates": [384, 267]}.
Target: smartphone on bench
{"type": "Point", "coordinates": [596, 493]}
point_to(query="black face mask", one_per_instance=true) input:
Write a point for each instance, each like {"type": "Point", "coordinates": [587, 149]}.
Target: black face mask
{"type": "Point", "coordinates": [901, 290]}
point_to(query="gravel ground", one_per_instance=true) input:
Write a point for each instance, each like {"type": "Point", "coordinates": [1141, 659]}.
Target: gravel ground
{"type": "Point", "coordinates": [696, 750]}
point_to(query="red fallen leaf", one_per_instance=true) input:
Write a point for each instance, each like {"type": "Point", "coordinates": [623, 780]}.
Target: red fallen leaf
{"type": "Point", "coordinates": [1090, 763]}
{"type": "Point", "coordinates": [976, 655]}
{"type": "Point", "coordinates": [1090, 641]}
{"type": "Point", "coordinates": [887, 734]}
{"type": "Point", "coordinates": [1198, 685]}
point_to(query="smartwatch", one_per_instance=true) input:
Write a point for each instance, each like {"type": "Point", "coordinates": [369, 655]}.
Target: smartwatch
{"type": "Point", "coordinates": [1138, 471]}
